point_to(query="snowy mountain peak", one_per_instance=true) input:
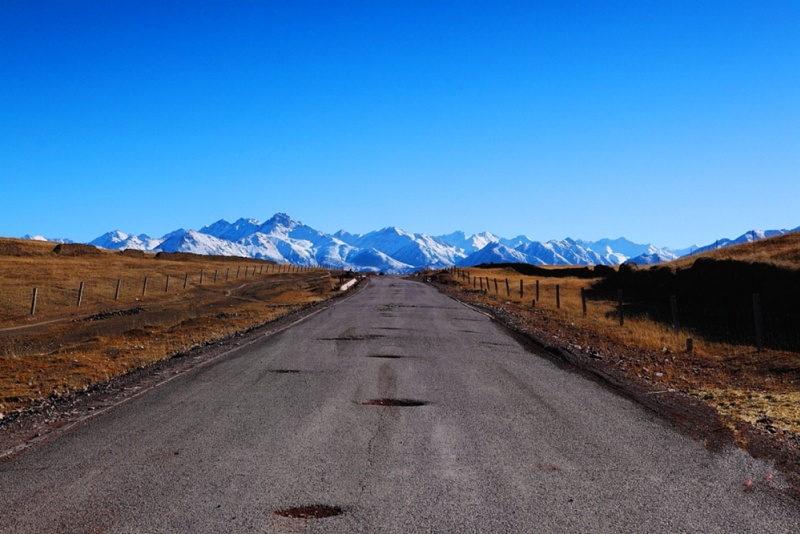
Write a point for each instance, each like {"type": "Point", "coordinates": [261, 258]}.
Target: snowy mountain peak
{"type": "Point", "coordinates": [281, 219]}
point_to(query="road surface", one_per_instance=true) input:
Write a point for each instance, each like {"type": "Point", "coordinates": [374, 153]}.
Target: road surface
{"type": "Point", "coordinates": [496, 439]}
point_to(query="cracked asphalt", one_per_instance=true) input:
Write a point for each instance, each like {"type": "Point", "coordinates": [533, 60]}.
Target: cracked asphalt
{"type": "Point", "coordinates": [495, 439]}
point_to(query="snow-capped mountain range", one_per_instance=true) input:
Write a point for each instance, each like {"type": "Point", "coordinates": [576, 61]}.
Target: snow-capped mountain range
{"type": "Point", "coordinates": [391, 250]}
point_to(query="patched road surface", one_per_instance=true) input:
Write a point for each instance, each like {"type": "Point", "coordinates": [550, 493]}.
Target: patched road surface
{"type": "Point", "coordinates": [396, 410]}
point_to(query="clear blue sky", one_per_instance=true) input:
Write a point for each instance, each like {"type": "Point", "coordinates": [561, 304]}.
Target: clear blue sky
{"type": "Point", "coordinates": [668, 122]}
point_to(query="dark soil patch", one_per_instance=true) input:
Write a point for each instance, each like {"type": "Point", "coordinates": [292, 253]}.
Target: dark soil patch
{"type": "Point", "coordinates": [75, 249]}
{"type": "Point", "coordinates": [109, 314]}
{"type": "Point", "coordinates": [313, 511]}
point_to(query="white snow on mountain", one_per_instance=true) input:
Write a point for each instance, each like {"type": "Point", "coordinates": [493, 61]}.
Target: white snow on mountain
{"type": "Point", "coordinates": [495, 253]}
{"type": "Point", "coordinates": [232, 231]}
{"type": "Point", "coordinates": [412, 249]}
{"type": "Point", "coordinates": [376, 261]}
{"type": "Point", "coordinates": [117, 240]}
{"type": "Point", "coordinates": [653, 255]}
{"type": "Point", "coordinates": [199, 243]}
{"type": "Point", "coordinates": [516, 242]}
{"type": "Point", "coordinates": [392, 250]}
{"type": "Point", "coordinates": [466, 245]}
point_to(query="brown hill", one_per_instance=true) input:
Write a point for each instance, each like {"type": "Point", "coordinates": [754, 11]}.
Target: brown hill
{"type": "Point", "coordinates": [783, 250]}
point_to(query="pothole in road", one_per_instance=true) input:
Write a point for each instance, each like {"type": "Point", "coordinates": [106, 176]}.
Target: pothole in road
{"type": "Point", "coordinates": [313, 511]}
{"type": "Point", "coordinates": [284, 371]}
{"type": "Point", "coordinates": [392, 402]}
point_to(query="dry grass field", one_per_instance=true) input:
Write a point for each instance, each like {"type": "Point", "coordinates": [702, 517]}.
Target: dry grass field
{"type": "Point", "coordinates": [762, 388]}
{"type": "Point", "coordinates": [187, 301]}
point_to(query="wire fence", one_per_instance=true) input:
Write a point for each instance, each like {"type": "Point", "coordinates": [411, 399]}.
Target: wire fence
{"type": "Point", "coordinates": [70, 290]}
{"type": "Point", "coordinates": [733, 314]}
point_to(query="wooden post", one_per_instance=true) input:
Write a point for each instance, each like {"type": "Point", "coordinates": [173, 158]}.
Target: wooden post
{"type": "Point", "coordinates": [215, 276]}
{"type": "Point", "coordinates": [757, 319]}
{"type": "Point", "coordinates": [166, 285]}
{"type": "Point", "coordinates": [521, 290]}
{"type": "Point", "coordinates": [33, 300]}
{"type": "Point", "coordinates": [116, 292]}
{"type": "Point", "coordinates": [144, 286]}
{"type": "Point", "coordinates": [673, 303]}
{"type": "Point", "coordinates": [495, 286]}
{"type": "Point", "coordinates": [533, 303]}
{"type": "Point", "coordinates": [185, 280]}
{"type": "Point", "coordinates": [261, 270]}
{"type": "Point", "coordinates": [474, 282]}
{"type": "Point", "coordinates": [583, 301]}
{"type": "Point", "coordinates": [558, 296]}
{"type": "Point", "coordinates": [619, 308]}
{"type": "Point", "coordinates": [537, 290]}
{"type": "Point", "coordinates": [227, 273]}
{"type": "Point", "coordinates": [238, 268]}
{"type": "Point", "coordinates": [80, 294]}
{"type": "Point", "coordinates": [201, 277]}
{"type": "Point", "coordinates": [481, 283]}
{"type": "Point", "coordinates": [508, 290]}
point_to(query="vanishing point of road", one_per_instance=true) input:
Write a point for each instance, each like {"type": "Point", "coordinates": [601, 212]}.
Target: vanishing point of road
{"type": "Point", "coordinates": [488, 437]}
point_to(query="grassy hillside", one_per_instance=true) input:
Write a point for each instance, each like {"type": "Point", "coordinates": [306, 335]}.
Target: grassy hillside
{"type": "Point", "coordinates": [166, 304]}
{"type": "Point", "coordinates": [781, 250]}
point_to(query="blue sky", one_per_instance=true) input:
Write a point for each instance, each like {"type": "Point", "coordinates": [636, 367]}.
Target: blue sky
{"type": "Point", "coordinates": [670, 123]}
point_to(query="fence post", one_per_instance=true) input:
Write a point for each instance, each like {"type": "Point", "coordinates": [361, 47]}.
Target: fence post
{"type": "Point", "coordinates": [481, 283]}
{"type": "Point", "coordinates": [144, 286]}
{"type": "Point", "coordinates": [619, 307]}
{"type": "Point", "coordinates": [558, 296]}
{"type": "Point", "coordinates": [185, 280]}
{"type": "Point", "coordinates": [673, 303]}
{"type": "Point", "coordinates": [238, 268]}
{"type": "Point", "coordinates": [508, 291]}
{"type": "Point", "coordinates": [537, 290]}
{"type": "Point", "coordinates": [80, 294]}
{"type": "Point", "coordinates": [521, 290]}
{"type": "Point", "coordinates": [227, 272]}
{"type": "Point", "coordinates": [215, 276]}
{"type": "Point", "coordinates": [583, 301]}
{"type": "Point", "coordinates": [495, 286]}
{"type": "Point", "coordinates": [33, 300]}
{"type": "Point", "coordinates": [116, 292]}
{"type": "Point", "coordinates": [201, 277]}
{"type": "Point", "coordinates": [166, 285]}
{"type": "Point", "coordinates": [757, 319]}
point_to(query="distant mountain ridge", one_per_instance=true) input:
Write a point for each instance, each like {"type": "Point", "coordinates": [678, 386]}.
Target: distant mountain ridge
{"type": "Point", "coordinates": [392, 250]}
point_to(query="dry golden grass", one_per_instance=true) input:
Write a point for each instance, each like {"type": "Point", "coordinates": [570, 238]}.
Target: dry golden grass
{"type": "Point", "coordinates": [738, 380]}
{"type": "Point", "coordinates": [59, 349]}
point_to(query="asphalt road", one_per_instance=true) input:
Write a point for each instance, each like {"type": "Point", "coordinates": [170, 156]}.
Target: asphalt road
{"type": "Point", "coordinates": [505, 441]}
